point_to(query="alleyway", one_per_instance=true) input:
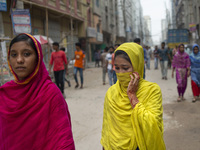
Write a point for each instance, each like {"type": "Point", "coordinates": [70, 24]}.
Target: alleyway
{"type": "Point", "coordinates": [181, 120]}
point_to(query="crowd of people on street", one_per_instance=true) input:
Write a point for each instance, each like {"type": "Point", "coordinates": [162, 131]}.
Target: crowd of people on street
{"type": "Point", "coordinates": [132, 107]}
{"type": "Point", "coordinates": [185, 62]}
{"type": "Point", "coordinates": [180, 58]}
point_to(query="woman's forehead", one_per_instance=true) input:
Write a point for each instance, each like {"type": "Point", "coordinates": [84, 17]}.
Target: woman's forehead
{"type": "Point", "coordinates": [21, 46]}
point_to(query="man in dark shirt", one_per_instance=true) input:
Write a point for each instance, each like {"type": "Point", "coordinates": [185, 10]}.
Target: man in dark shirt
{"type": "Point", "coordinates": [163, 56]}
{"type": "Point", "coordinates": [155, 52]}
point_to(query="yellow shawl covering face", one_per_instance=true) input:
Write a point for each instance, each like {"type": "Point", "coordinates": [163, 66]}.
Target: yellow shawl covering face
{"type": "Point", "coordinates": [125, 128]}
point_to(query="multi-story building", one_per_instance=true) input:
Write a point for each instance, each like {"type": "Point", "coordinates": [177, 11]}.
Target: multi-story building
{"type": "Point", "coordinates": [187, 13]}
{"type": "Point", "coordinates": [64, 21]}
{"type": "Point", "coordinates": [194, 16]}
{"type": "Point", "coordinates": [148, 38]}
{"type": "Point", "coordinates": [129, 20]}
{"type": "Point", "coordinates": [60, 20]}
{"type": "Point", "coordinates": [120, 24]}
{"type": "Point", "coordinates": [108, 22]}
{"type": "Point", "coordinates": [96, 43]}
{"type": "Point", "coordinates": [164, 30]}
{"type": "Point", "coordinates": [138, 21]}
{"type": "Point", "coordinates": [173, 14]}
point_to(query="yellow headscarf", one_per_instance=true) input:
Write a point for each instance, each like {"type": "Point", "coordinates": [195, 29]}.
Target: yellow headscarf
{"type": "Point", "coordinates": [125, 128]}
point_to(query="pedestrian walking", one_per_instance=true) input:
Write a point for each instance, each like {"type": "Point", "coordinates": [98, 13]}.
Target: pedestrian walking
{"type": "Point", "coordinates": [137, 40]}
{"type": "Point", "coordinates": [195, 71]}
{"type": "Point", "coordinates": [97, 56]}
{"type": "Point", "coordinates": [109, 65]}
{"type": "Point", "coordinates": [171, 56]}
{"type": "Point", "coordinates": [175, 50]}
{"type": "Point", "coordinates": [33, 112]}
{"type": "Point", "coordinates": [104, 66]}
{"type": "Point", "coordinates": [164, 58]}
{"type": "Point", "coordinates": [79, 64]}
{"type": "Point", "coordinates": [113, 65]}
{"type": "Point", "coordinates": [148, 57]}
{"type": "Point", "coordinates": [181, 63]}
{"type": "Point", "coordinates": [187, 50]}
{"type": "Point", "coordinates": [66, 77]}
{"type": "Point", "coordinates": [156, 55]}
{"type": "Point", "coordinates": [59, 62]}
{"type": "Point", "coordinates": [132, 117]}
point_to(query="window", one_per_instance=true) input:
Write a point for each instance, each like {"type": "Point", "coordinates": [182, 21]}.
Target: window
{"type": "Point", "coordinates": [97, 3]}
{"type": "Point", "coordinates": [63, 2]}
{"type": "Point", "coordinates": [89, 17]}
{"type": "Point", "coordinates": [71, 3]}
{"type": "Point", "coordinates": [98, 27]}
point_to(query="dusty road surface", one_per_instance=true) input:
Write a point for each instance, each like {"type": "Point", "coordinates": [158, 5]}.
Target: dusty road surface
{"type": "Point", "coordinates": [181, 120]}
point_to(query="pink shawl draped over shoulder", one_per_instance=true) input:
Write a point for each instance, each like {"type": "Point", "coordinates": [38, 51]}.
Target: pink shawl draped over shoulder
{"type": "Point", "coordinates": [33, 113]}
{"type": "Point", "coordinates": [181, 60]}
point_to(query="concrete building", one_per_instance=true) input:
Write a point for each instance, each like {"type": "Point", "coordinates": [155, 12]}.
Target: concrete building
{"type": "Point", "coordinates": [62, 21]}
{"type": "Point", "coordinates": [187, 14]}
{"type": "Point", "coordinates": [147, 30]}
{"type": "Point", "coordinates": [126, 24]}
{"type": "Point", "coordinates": [96, 42]}
{"type": "Point", "coordinates": [194, 16]}
{"type": "Point", "coordinates": [120, 25]}
{"type": "Point", "coordinates": [109, 22]}
{"type": "Point", "coordinates": [164, 29]}
{"type": "Point", "coordinates": [138, 21]}
{"type": "Point", "coordinates": [129, 20]}
{"type": "Point", "coordinates": [124, 20]}
{"type": "Point", "coordinates": [173, 14]}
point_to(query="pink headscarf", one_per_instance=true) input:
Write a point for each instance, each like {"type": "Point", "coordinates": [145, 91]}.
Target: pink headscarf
{"type": "Point", "coordinates": [33, 112]}
{"type": "Point", "coordinates": [181, 60]}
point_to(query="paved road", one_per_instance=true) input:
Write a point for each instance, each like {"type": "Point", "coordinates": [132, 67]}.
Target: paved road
{"type": "Point", "coordinates": [181, 120]}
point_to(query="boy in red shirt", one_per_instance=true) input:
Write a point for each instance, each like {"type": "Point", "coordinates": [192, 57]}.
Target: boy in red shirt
{"type": "Point", "coordinates": [59, 60]}
{"type": "Point", "coordinates": [79, 57]}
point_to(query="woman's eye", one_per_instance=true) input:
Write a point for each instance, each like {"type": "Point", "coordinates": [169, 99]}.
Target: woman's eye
{"type": "Point", "coordinates": [13, 54]}
{"type": "Point", "coordinates": [27, 54]}
{"type": "Point", "coordinates": [117, 68]}
{"type": "Point", "coordinates": [126, 68]}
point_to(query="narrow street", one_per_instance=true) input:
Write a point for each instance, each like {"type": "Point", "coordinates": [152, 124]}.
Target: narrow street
{"type": "Point", "coordinates": [181, 120]}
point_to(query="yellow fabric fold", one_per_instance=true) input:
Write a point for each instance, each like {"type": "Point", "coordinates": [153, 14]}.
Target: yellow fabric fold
{"type": "Point", "coordinates": [125, 128]}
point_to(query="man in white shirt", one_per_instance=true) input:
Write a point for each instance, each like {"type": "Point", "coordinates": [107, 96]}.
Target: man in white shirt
{"type": "Point", "coordinates": [109, 64]}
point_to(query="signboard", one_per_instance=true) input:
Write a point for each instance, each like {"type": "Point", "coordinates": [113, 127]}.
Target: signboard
{"type": "Point", "coordinates": [192, 27]}
{"type": "Point", "coordinates": [177, 36]}
{"type": "Point", "coordinates": [21, 21]}
{"type": "Point", "coordinates": [3, 5]}
{"type": "Point", "coordinates": [91, 32]}
{"type": "Point", "coordinates": [99, 37]}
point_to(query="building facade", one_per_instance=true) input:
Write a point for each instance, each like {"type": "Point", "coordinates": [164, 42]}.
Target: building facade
{"type": "Point", "coordinates": [148, 36]}
{"type": "Point", "coordinates": [59, 20]}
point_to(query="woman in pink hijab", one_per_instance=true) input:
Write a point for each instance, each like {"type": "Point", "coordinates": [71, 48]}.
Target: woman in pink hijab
{"type": "Point", "coordinates": [33, 113]}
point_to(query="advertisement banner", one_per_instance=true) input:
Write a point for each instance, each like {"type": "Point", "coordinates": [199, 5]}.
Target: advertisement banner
{"type": "Point", "coordinates": [91, 32]}
{"type": "Point", "coordinates": [21, 21]}
{"type": "Point", "coordinates": [192, 27]}
{"type": "Point", "coordinates": [177, 36]}
{"type": "Point", "coordinates": [3, 5]}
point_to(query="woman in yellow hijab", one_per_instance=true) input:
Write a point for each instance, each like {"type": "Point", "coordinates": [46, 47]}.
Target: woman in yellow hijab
{"type": "Point", "coordinates": [132, 118]}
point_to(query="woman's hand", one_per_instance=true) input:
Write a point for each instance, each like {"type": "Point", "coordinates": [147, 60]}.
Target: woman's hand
{"type": "Point", "coordinates": [133, 84]}
{"type": "Point", "coordinates": [173, 72]}
{"type": "Point", "coordinates": [132, 89]}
